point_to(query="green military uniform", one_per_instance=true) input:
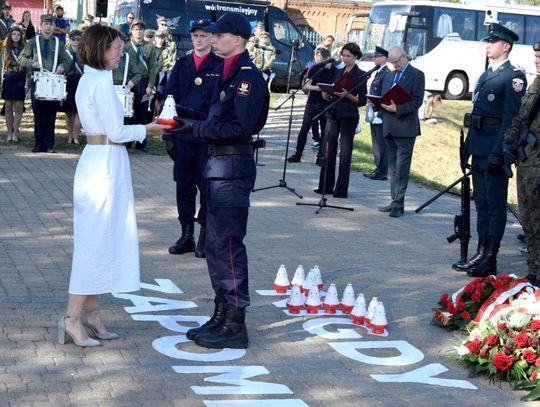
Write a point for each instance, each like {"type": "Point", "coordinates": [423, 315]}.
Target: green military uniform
{"type": "Point", "coordinates": [133, 74]}
{"type": "Point", "coordinates": [528, 176]}
{"type": "Point", "coordinates": [147, 52]}
{"type": "Point", "coordinates": [44, 111]}
{"type": "Point", "coordinates": [5, 25]}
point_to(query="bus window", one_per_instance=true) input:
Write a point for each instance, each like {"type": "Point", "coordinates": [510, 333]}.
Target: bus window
{"type": "Point", "coordinates": [284, 32]}
{"type": "Point", "coordinates": [378, 31]}
{"type": "Point", "coordinates": [449, 21]}
{"type": "Point", "coordinates": [415, 44]}
{"type": "Point", "coordinates": [532, 30]}
{"type": "Point", "coordinates": [513, 22]}
{"type": "Point", "coordinates": [482, 26]}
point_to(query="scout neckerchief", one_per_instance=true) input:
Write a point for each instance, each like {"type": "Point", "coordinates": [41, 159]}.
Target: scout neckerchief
{"type": "Point", "coordinates": [75, 63]}
{"type": "Point", "coordinates": [40, 60]}
{"type": "Point", "coordinates": [139, 53]}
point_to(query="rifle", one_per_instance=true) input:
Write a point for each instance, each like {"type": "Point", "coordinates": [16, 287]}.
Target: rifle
{"type": "Point", "coordinates": [462, 222]}
{"type": "Point", "coordinates": [524, 138]}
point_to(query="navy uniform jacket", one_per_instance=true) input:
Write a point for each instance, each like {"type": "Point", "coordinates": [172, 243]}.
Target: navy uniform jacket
{"type": "Point", "coordinates": [497, 95]}
{"type": "Point", "coordinates": [376, 85]}
{"type": "Point", "coordinates": [238, 110]}
{"type": "Point", "coordinates": [193, 90]}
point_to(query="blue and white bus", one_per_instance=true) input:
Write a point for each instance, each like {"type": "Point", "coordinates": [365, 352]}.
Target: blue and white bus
{"type": "Point", "coordinates": [444, 39]}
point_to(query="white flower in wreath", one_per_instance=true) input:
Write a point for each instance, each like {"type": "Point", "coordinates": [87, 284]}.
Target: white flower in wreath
{"type": "Point", "coordinates": [462, 350]}
{"type": "Point", "coordinates": [518, 320]}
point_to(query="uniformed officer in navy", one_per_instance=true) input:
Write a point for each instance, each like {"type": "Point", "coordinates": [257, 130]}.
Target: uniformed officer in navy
{"type": "Point", "coordinates": [192, 83]}
{"type": "Point", "coordinates": [238, 110]}
{"type": "Point", "coordinates": [496, 99]}
{"type": "Point", "coordinates": [374, 118]}
{"type": "Point", "coordinates": [44, 110]}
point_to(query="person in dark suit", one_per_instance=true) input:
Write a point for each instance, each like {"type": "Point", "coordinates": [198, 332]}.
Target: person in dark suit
{"type": "Point", "coordinates": [496, 99]}
{"type": "Point", "coordinates": [374, 118]}
{"type": "Point", "coordinates": [401, 126]}
{"type": "Point", "coordinates": [342, 122]}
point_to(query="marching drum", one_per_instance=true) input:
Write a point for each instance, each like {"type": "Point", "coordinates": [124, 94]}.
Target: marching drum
{"type": "Point", "coordinates": [126, 98]}
{"type": "Point", "coordinates": [50, 86]}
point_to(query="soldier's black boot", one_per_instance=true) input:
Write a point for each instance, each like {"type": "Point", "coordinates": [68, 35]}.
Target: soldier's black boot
{"type": "Point", "coordinates": [215, 321]}
{"type": "Point", "coordinates": [487, 266]}
{"type": "Point", "coordinates": [473, 261]}
{"type": "Point", "coordinates": [201, 243]}
{"type": "Point", "coordinates": [186, 243]}
{"type": "Point", "coordinates": [232, 333]}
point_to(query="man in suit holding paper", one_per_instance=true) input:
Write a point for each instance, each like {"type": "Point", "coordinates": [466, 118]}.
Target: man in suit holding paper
{"type": "Point", "coordinates": [401, 126]}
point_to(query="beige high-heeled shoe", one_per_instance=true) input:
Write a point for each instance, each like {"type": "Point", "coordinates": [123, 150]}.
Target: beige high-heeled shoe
{"type": "Point", "coordinates": [107, 336]}
{"type": "Point", "coordinates": [63, 332]}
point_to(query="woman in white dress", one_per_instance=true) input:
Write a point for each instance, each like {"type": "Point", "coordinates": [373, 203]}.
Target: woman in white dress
{"type": "Point", "coordinates": [106, 246]}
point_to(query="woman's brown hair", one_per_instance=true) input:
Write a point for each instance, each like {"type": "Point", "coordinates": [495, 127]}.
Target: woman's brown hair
{"type": "Point", "coordinates": [96, 40]}
{"type": "Point", "coordinates": [9, 45]}
{"type": "Point", "coordinates": [353, 49]}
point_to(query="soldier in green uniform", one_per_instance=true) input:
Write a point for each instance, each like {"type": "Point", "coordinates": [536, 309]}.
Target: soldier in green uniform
{"type": "Point", "coordinates": [145, 55]}
{"type": "Point", "coordinates": [496, 101]}
{"type": "Point", "coordinates": [528, 170]}
{"type": "Point", "coordinates": [34, 61]}
{"type": "Point", "coordinates": [5, 24]}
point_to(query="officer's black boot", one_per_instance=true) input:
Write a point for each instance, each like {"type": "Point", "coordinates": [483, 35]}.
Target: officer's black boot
{"type": "Point", "coordinates": [186, 243]}
{"type": "Point", "coordinates": [216, 320]}
{"type": "Point", "coordinates": [201, 243]}
{"type": "Point", "coordinates": [473, 261]}
{"type": "Point", "coordinates": [487, 265]}
{"type": "Point", "coordinates": [232, 333]}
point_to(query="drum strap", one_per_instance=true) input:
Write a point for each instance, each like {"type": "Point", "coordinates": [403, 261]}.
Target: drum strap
{"type": "Point", "coordinates": [40, 59]}
{"type": "Point", "coordinates": [126, 68]}
{"type": "Point", "coordinates": [75, 64]}
{"type": "Point", "coordinates": [141, 57]}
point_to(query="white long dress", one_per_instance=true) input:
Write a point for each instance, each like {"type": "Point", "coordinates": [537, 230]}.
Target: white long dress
{"type": "Point", "coordinates": [106, 245]}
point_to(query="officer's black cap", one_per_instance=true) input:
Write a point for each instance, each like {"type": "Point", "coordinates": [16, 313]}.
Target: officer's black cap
{"type": "Point", "coordinates": [47, 18]}
{"type": "Point", "coordinates": [202, 24]}
{"type": "Point", "coordinates": [232, 23]}
{"type": "Point", "coordinates": [380, 52]}
{"type": "Point", "coordinates": [536, 46]}
{"type": "Point", "coordinates": [500, 32]}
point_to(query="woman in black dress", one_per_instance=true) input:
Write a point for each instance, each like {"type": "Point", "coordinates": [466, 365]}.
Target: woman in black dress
{"type": "Point", "coordinates": [26, 24]}
{"type": "Point", "coordinates": [73, 74]}
{"type": "Point", "coordinates": [13, 85]}
{"type": "Point", "coordinates": [342, 121]}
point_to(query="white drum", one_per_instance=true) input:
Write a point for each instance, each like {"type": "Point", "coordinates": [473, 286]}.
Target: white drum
{"type": "Point", "coordinates": [50, 86]}
{"type": "Point", "coordinates": [126, 98]}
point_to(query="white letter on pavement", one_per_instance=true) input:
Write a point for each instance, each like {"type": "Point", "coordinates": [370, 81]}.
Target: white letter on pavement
{"type": "Point", "coordinates": [171, 322]}
{"type": "Point", "coordinates": [424, 375]}
{"type": "Point", "coordinates": [256, 403]}
{"type": "Point", "coordinates": [409, 354]}
{"type": "Point", "coordinates": [166, 345]}
{"type": "Point", "coordinates": [316, 327]}
{"type": "Point", "coordinates": [144, 304]}
{"type": "Point", "coordinates": [164, 285]}
{"type": "Point", "coordinates": [235, 376]}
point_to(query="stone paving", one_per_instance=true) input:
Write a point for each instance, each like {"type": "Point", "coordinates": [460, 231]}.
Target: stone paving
{"type": "Point", "coordinates": [404, 261]}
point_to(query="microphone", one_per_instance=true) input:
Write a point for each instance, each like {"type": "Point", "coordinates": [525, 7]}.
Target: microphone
{"type": "Point", "coordinates": [368, 73]}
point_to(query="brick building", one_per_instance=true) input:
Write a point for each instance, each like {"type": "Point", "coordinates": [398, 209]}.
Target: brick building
{"type": "Point", "coordinates": [345, 19]}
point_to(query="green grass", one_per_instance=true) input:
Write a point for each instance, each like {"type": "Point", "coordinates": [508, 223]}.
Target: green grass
{"type": "Point", "coordinates": [436, 153]}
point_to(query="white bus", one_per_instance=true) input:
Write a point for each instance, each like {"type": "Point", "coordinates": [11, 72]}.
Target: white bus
{"type": "Point", "coordinates": [444, 39]}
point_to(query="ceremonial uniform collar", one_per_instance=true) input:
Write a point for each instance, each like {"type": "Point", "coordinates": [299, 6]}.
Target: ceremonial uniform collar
{"type": "Point", "coordinates": [495, 66]}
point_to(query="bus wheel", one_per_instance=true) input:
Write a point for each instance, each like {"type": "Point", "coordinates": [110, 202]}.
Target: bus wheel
{"type": "Point", "coordinates": [456, 86]}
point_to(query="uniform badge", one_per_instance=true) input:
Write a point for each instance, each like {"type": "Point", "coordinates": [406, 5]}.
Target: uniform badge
{"type": "Point", "coordinates": [517, 84]}
{"type": "Point", "coordinates": [198, 81]}
{"type": "Point", "coordinates": [491, 97]}
{"type": "Point", "coordinates": [222, 96]}
{"type": "Point", "coordinates": [243, 88]}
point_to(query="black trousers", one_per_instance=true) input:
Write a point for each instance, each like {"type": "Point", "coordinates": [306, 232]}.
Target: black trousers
{"type": "Point", "coordinates": [312, 109]}
{"type": "Point", "coordinates": [345, 129]}
{"type": "Point", "coordinates": [379, 150]}
{"type": "Point", "coordinates": [44, 123]}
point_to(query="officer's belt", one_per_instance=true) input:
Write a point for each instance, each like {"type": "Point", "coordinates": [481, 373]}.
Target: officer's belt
{"type": "Point", "coordinates": [101, 140]}
{"type": "Point", "coordinates": [478, 122]}
{"type": "Point", "coordinates": [215, 150]}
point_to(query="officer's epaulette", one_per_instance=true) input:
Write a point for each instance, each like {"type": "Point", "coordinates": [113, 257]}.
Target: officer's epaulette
{"type": "Point", "coordinates": [189, 52]}
{"type": "Point", "coordinates": [519, 69]}
{"type": "Point", "coordinates": [245, 68]}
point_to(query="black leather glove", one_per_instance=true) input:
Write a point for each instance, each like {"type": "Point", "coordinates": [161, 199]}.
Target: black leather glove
{"type": "Point", "coordinates": [184, 126]}
{"type": "Point", "coordinates": [170, 145]}
{"type": "Point", "coordinates": [509, 154]}
{"type": "Point", "coordinates": [495, 163]}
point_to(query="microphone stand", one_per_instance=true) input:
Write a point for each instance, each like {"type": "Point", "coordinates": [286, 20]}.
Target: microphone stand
{"type": "Point", "coordinates": [322, 202]}
{"type": "Point", "coordinates": [282, 183]}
